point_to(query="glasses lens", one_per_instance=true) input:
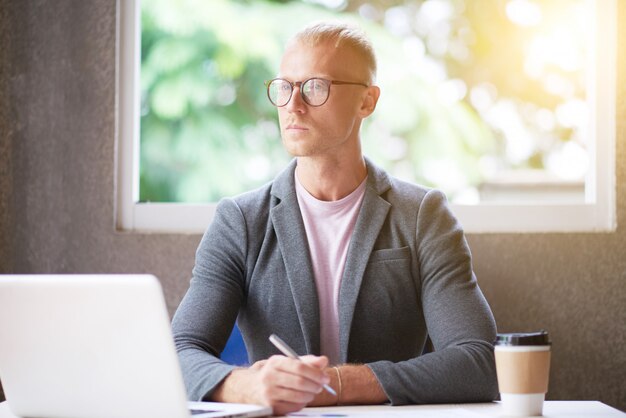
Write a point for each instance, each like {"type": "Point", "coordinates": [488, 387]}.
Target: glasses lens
{"type": "Point", "coordinates": [279, 92]}
{"type": "Point", "coordinates": [315, 91]}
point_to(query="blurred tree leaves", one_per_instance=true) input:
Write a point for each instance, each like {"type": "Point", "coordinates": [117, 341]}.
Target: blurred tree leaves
{"type": "Point", "coordinates": [208, 130]}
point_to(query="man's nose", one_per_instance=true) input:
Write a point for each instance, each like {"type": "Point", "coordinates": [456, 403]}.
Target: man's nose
{"type": "Point", "coordinates": [296, 104]}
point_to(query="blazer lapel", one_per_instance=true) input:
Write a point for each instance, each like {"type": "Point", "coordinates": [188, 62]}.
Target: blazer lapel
{"type": "Point", "coordinates": [291, 235]}
{"type": "Point", "coordinates": [371, 218]}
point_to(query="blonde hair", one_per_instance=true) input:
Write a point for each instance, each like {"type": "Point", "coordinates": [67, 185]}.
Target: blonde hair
{"type": "Point", "coordinates": [341, 34]}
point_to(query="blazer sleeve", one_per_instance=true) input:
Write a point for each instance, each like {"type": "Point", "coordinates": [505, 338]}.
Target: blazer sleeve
{"type": "Point", "coordinates": [460, 323]}
{"type": "Point", "coordinates": [206, 315]}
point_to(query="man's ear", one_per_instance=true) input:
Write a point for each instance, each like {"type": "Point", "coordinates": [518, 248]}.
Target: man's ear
{"type": "Point", "coordinates": [369, 101]}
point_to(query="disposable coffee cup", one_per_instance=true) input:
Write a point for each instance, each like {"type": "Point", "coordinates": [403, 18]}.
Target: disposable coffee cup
{"type": "Point", "coordinates": [523, 368]}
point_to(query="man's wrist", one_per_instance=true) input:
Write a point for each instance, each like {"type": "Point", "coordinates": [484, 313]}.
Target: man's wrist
{"type": "Point", "coordinates": [227, 391]}
{"type": "Point", "coordinates": [356, 384]}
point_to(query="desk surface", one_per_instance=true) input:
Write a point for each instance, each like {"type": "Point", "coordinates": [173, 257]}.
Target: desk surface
{"type": "Point", "coordinates": [551, 409]}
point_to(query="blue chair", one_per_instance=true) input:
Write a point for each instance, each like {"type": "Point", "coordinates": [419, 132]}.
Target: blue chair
{"type": "Point", "coordinates": [235, 351]}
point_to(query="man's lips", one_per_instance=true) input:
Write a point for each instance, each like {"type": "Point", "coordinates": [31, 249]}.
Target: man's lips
{"type": "Point", "coordinates": [296, 127]}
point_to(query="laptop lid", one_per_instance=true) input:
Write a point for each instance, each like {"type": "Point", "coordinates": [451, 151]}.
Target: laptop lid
{"type": "Point", "coordinates": [93, 346]}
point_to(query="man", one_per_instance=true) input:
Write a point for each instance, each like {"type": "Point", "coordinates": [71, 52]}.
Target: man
{"type": "Point", "coordinates": [351, 267]}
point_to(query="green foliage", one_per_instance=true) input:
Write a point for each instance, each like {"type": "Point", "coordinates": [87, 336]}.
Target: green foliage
{"type": "Point", "coordinates": [208, 130]}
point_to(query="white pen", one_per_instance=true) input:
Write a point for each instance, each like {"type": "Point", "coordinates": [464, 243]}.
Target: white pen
{"type": "Point", "coordinates": [288, 351]}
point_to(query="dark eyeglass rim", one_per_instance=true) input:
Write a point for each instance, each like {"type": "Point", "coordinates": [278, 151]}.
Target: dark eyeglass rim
{"type": "Point", "coordinates": [301, 83]}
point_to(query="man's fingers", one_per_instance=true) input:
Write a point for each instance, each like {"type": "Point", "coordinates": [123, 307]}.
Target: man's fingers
{"type": "Point", "coordinates": [279, 393]}
{"type": "Point", "coordinates": [284, 384]}
{"type": "Point", "coordinates": [288, 385]}
{"type": "Point", "coordinates": [319, 362]}
{"type": "Point", "coordinates": [283, 390]}
{"type": "Point", "coordinates": [308, 367]}
{"type": "Point", "coordinates": [292, 382]}
{"type": "Point", "coordinates": [258, 365]}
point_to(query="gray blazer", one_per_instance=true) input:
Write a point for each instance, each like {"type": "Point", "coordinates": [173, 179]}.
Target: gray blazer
{"type": "Point", "coordinates": [408, 275]}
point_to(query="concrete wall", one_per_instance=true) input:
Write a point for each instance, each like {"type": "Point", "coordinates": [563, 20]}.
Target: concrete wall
{"type": "Point", "coordinates": [57, 159]}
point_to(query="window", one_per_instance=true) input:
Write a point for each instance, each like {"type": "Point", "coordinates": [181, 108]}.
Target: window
{"type": "Point", "coordinates": [512, 114]}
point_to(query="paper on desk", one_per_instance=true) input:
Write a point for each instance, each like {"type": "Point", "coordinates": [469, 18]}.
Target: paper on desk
{"type": "Point", "coordinates": [440, 413]}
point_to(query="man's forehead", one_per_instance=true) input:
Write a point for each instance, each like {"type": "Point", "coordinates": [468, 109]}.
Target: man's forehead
{"type": "Point", "coordinates": [322, 59]}
{"type": "Point", "coordinates": [306, 47]}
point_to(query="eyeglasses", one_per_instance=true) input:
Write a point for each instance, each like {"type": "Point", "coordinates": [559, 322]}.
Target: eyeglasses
{"type": "Point", "coordinates": [314, 91]}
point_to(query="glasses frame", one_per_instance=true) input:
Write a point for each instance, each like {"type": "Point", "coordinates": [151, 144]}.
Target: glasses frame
{"type": "Point", "coordinates": [299, 84]}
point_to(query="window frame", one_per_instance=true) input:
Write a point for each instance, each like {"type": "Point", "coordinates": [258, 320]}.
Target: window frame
{"type": "Point", "coordinates": [597, 215]}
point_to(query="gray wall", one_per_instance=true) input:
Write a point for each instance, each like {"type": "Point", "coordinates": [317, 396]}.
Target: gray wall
{"type": "Point", "coordinates": [57, 159]}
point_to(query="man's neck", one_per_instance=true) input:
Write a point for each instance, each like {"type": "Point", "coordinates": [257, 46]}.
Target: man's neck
{"type": "Point", "coordinates": [330, 179]}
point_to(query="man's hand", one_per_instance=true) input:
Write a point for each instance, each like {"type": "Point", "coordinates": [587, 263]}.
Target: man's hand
{"type": "Point", "coordinates": [284, 384]}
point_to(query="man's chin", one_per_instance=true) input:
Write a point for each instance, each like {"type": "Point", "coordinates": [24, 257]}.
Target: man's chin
{"type": "Point", "coordinates": [294, 149]}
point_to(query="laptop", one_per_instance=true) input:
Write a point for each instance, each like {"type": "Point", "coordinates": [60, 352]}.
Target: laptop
{"type": "Point", "coordinates": [94, 346]}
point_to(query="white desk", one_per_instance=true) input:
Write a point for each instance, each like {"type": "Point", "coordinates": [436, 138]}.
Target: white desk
{"type": "Point", "coordinates": [551, 409]}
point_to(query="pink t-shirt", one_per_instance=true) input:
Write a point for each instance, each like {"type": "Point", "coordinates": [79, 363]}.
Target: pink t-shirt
{"type": "Point", "coordinates": [329, 226]}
